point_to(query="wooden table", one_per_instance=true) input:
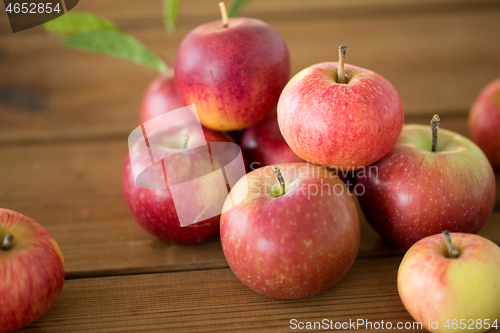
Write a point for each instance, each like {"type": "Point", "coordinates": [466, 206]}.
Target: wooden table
{"type": "Point", "coordinates": [64, 121]}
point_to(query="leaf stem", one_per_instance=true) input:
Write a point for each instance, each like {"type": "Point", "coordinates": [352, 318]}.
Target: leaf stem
{"type": "Point", "coordinates": [453, 252]}
{"type": "Point", "coordinates": [280, 179]}
{"type": "Point", "coordinates": [434, 127]}
{"type": "Point", "coordinates": [223, 13]}
{"type": "Point", "coordinates": [341, 78]}
{"type": "Point", "coordinates": [7, 242]}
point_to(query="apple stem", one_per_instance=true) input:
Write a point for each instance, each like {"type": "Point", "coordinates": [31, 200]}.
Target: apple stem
{"type": "Point", "coordinates": [453, 252]}
{"type": "Point", "coordinates": [185, 139]}
{"type": "Point", "coordinates": [223, 12]}
{"type": "Point", "coordinates": [434, 126]}
{"type": "Point", "coordinates": [279, 176]}
{"type": "Point", "coordinates": [7, 241]}
{"type": "Point", "coordinates": [341, 78]}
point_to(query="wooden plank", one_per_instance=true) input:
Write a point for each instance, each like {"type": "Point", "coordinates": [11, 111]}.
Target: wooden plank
{"type": "Point", "coordinates": [298, 8]}
{"type": "Point", "coordinates": [216, 301]}
{"type": "Point", "coordinates": [125, 10]}
{"type": "Point", "coordinates": [66, 94]}
{"type": "Point", "coordinates": [73, 189]}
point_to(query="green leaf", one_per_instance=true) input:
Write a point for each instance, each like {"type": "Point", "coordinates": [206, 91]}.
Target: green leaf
{"type": "Point", "coordinates": [118, 44]}
{"type": "Point", "coordinates": [170, 12]}
{"type": "Point", "coordinates": [74, 23]}
{"type": "Point", "coordinates": [236, 7]}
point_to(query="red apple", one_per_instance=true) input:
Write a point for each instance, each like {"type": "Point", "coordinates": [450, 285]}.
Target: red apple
{"type": "Point", "coordinates": [264, 145]}
{"type": "Point", "coordinates": [31, 270]}
{"type": "Point", "coordinates": [294, 234]}
{"type": "Point", "coordinates": [348, 123]}
{"type": "Point", "coordinates": [233, 71]}
{"type": "Point", "coordinates": [153, 207]}
{"type": "Point", "coordinates": [452, 289]}
{"type": "Point", "coordinates": [484, 122]}
{"type": "Point", "coordinates": [160, 97]}
{"type": "Point", "coordinates": [414, 192]}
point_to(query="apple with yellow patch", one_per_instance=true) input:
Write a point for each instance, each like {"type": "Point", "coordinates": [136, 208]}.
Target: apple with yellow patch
{"type": "Point", "coordinates": [233, 71]}
{"type": "Point", "coordinates": [450, 282]}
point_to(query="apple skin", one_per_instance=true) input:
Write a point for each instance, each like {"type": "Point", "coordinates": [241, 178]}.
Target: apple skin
{"type": "Point", "coordinates": [484, 122]}
{"type": "Point", "coordinates": [154, 210]}
{"type": "Point", "coordinates": [347, 126]}
{"type": "Point", "coordinates": [31, 271]}
{"type": "Point", "coordinates": [264, 145]}
{"type": "Point", "coordinates": [418, 193]}
{"type": "Point", "coordinates": [233, 75]}
{"type": "Point", "coordinates": [433, 286]}
{"type": "Point", "coordinates": [161, 96]}
{"type": "Point", "coordinates": [290, 246]}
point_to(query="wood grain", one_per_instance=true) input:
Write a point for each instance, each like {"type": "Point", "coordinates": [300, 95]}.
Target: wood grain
{"type": "Point", "coordinates": [73, 189]}
{"type": "Point", "coordinates": [64, 121]}
{"type": "Point", "coordinates": [77, 95]}
{"type": "Point", "coordinates": [128, 10]}
{"type": "Point", "coordinates": [216, 301]}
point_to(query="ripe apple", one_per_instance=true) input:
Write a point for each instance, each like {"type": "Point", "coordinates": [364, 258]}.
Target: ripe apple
{"type": "Point", "coordinates": [414, 192]}
{"type": "Point", "coordinates": [452, 285]}
{"type": "Point", "coordinates": [31, 270]}
{"type": "Point", "coordinates": [160, 97]}
{"type": "Point", "coordinates": [484, 122]}
{"type": "Point", "coordinates": [233, 71]}
{"type": "Point", "coordinates": [154, 209]}
{"type": "Point", "coordinates": [295, 233]}
{"type": "Point", "coordinates": [264, 145]}
{"type": "Point", "coordinates": [348, 124]}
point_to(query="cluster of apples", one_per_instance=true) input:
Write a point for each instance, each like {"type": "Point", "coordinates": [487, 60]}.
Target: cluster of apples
{"type": "Point", "coordinates": [296, 231]}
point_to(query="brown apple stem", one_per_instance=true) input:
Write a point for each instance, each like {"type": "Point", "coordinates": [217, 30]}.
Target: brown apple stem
{"type": "Point", "coordinates": [223, 13]}
{"type": "Point", "coordinates": [185, 139]}
{"type": "Point", "coordinates": [7, 241]}
{"type": "Point", "coordinates": [453, 252]}
{"type": "Point", "coordinates": [341, 78]}
{"type": "Point", "coordinates": [434, 126]}
{"type": "Point", "coordinates": [279, 176]}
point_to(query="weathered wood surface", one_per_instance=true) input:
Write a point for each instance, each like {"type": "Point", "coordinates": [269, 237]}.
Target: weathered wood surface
{"type": "Point", "coordinates": [216, 301]}
{"type": "Point", "coordinates": [437, 59]}
{"type": "Point", "coordinates": [64, 121]}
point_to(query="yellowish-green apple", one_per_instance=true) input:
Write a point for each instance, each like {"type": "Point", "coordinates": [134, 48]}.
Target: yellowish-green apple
{"type": "Point", "coordinates": [451, 283]}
